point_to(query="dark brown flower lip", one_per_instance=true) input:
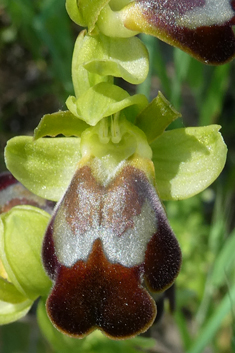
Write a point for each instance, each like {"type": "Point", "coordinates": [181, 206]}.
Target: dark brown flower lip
{"type": "Point", "coordinates": [96, 253]}
{"type": "Point", "coordinates": [202, 28]}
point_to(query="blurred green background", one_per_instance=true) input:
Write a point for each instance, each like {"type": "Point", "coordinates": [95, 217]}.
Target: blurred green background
{"type": "Point", "coordinates": [36, 44]}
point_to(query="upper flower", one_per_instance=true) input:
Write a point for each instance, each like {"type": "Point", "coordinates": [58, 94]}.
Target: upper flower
{"type": "Point", "coordinates": [202, 28]}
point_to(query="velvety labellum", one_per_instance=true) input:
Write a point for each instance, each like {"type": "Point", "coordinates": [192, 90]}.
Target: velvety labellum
{"type": "Point", "coordinates": [203, 28]}
{"type": "Point", "coordinates": [105, 242]}
{"type": "Point", "coordinates": [13, 193]}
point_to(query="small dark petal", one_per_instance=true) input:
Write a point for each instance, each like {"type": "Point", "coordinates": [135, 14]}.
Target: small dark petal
{"type": "Point", "coordinates": [13, 193]}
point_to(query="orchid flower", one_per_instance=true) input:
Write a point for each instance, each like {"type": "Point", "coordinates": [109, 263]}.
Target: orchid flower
{"type": "Point", "coordinates": [108, 244]}
{"type": "Point", "coordinates": [202, 28]}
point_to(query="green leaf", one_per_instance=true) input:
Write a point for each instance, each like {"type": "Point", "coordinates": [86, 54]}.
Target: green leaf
{"type": "Point", "coordinates": [155, 118]}
{"type": "Point", "coordinates": [12, 312]}
{"type": "Point", "coordinates": [20, 249]}
{"type": "Point", "coordinates": [44, 166]}
{"type": "Point", "coordinates": [212, 325]}
{"type": "Point", "coordinates": [62, 122]}
{"type": "Point", "coordinates": [126, 58]}
{"type": "Point", "coordinates": [215, 94]}
{"type": "Point", "coordinates": [188, 160]}
{"type": "Point", "coordinates": [223, 262]}
{"type": "Point", "coordinates": [9, 293]}
{"type": "Point", "coordinates": [102, 100]}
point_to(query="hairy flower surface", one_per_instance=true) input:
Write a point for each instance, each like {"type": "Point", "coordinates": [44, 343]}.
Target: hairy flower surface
{"type": "Point", "coordinates": [107, 238]}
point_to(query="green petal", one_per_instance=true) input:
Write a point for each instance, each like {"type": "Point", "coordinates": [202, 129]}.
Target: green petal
{"type": "Point", "coordinates": [126, 58]}
{"type": "Point", "coordinates": [20, 249]}
{"type": "Point", "coordinates": [188, 160]}
{"type": "Point", "coordinates": [44, 166]}
{"type": "Point", "coordinates": [155, 118]}
{"type": "Point", "coordinates": [9, 293]}
{"type": "Point", "coordinates": [64, 123]}
{"type": "Point", "coordinates": [12, 312]}
{"type": "Point", "coordinates": [103, 100]}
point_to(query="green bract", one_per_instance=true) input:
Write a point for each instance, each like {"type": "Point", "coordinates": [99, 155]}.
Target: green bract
{"type": "Point", "coordinates": [83, 79]}
{"type": "Point", "coordinates": [126, 58]}
{"type": "Point", "coordinates": [95, 58]}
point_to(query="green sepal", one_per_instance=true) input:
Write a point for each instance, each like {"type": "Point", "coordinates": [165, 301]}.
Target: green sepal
{"type": "Point", "coordinates": [83, 79]}
{"type": "Point", "coordinates": [12, 312]}
{"type": "Point", "coordinates": [188, 160]}
{"type": "Point", "coordinates": [21, 235]}
{"type": "Point", "coordinates": [62, 122]}
{"type": "Point", "coordinates": [44, 166]}
{"type": "Point", "coordinates": [102, 100]}
{"type": "Point", "coordinates": [115, 141]}
{"type": "Point", "coordinates": [9, 293]}
{"type": "Point", "coordinates": [126, 58]}
{"type": "Point", "coordinates": [85, 12]}
{"type": "Point", "coordinates": [155, 118]}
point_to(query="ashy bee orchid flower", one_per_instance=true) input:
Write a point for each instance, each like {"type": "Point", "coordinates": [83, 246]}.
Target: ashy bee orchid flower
{"type": "Point", "coordinates": [108, 238]}
{"type": "Point", "coordinates": [108, 245]}
{"type": "Point", "coordinates": [202, 28]}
